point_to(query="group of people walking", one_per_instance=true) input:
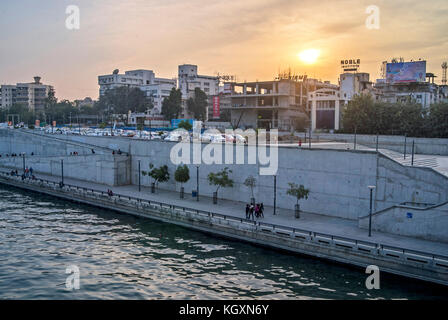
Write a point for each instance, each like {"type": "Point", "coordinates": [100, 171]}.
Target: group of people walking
{"type": "Point", "coordinates": [254, 211]}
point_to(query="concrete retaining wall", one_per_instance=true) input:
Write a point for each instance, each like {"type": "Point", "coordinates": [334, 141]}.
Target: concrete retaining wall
{"type": "Point", "coordinates": [337, 179]}
{"type": "Point", "coordinates": [429, 224]}
{"type": "Point", "coordinates": [17, 141]}
{"type": "Point", "coordinates": [104, 169]}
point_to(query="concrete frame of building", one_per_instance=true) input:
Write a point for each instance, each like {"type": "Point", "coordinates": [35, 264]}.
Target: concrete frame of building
{"type": "Point", "coordinates": [273, 104]}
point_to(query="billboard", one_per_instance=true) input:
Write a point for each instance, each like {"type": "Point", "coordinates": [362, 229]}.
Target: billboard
{"type": "Point", "coordinates": [406, 72]}
{"type": "Point", "coordinates": [216, 112]}
{"type": "Point", "coordinates": [175, 122]}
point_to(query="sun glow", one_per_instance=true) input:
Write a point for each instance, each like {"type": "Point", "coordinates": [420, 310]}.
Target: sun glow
{"type": "Point", "coordinates": [309, 56]}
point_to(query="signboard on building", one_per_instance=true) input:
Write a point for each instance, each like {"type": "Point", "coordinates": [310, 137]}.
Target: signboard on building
{"type": "Point", "coordinates": [37, 124]}
{"type": "Point", "coordinates": [400, 72]}
{"type": "Point", "coordinates": [216, 106]}
{"type": "Point", "coordinates": [350, 64]}
{"type": "Point", "coordinates": [227, 87]}
{"type": "Point", "coordinates": [175, 122]}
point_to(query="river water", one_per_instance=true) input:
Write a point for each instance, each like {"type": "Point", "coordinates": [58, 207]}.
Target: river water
{"type": "Point", "coordinates": [123, 257]}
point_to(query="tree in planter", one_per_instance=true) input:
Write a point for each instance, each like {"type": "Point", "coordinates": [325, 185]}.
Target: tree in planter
{"type": "Point", "coordinates": [160, 174]}
{"type": "Point", "coordinates": [250, 183]}
{"type": "Point", "coordinates": [182, 175]}
{"type": "Point", "coordinates": [220, 179]}
{"type": "Point", "coordinates": [300, 193]}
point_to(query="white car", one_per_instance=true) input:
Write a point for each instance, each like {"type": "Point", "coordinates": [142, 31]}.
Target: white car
{"type": "Point", "coordinates": [218, 138]}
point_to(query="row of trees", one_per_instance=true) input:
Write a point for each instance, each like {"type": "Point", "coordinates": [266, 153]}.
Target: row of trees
{"type": "Point", "coordinates": [118, 100]}
{"type": "Point", "coordinates": [197, 105]}
{"type": "Point", "coordinates": [220, 179]}
{"type": "Point", "coordinates": [364, 115]}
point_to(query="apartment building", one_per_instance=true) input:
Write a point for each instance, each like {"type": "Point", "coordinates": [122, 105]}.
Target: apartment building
{"type": "Point", "coordinates": [33, 94]}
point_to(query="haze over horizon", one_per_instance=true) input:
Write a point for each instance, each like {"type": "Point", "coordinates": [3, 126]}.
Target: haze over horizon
{"type": "Point", "coordinates": [251, 39]}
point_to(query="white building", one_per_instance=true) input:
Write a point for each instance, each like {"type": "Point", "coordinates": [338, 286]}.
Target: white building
{"type": "Point", "coordinates": [32, 94]}
{"type": "Point", "coordinates": [327, 102]}
{"type": "Point", "coordinates": [189, 79]}
{"type": "Point", "coordinates": [156, 89]}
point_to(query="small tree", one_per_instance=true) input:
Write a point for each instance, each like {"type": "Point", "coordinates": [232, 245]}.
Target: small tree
{"type": "Point", "coordinates": [220, 179]}
{"type": "Point", "coordinates": [185, 125]}
{"type": "Point", "coordinates": [250, 183]}
{"type": "Point", "coordinates": [182, 175]}
{"type": "Point", "coordinates": [160, 174]}
{"type": "Point", "coordinates": [300, 193]}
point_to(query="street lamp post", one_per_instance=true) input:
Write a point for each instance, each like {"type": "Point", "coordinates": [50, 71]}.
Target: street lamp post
{"type": "Point", "coordinates": [405, 137]}
{"type": "Point", "coordinates": [370, 214]}
{"type": "Point", "coordinates": [197, 183]}
{"type": "Point", "coordinates": [275, 194]}
{"type": "Point", "coordinates": [139, 181]}
{"type": "Point", "coordinates": [62, 171]}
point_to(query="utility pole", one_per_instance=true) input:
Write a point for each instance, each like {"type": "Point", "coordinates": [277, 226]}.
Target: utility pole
{"type": "Point", "coordinates": [275, 194]}
{"type": "Point", "coordinates": [405, 136]}
{"type": "Point", "coordinates": [197, 183]}
{"type": "Point", "coordinates": [139, 181]}
{"type": "Point", "coordinates": [62, 172]}
{"type": "Point", "coordinates": [370, 214]}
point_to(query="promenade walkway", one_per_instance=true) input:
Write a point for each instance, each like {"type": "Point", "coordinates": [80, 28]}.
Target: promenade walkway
{"type": "Point", "coordinates": [311, 222]}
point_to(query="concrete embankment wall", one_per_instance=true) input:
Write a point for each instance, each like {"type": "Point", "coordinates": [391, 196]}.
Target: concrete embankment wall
{"type": "Point", "coordinates": [428, 224]}
{"type": "Point", "coordinates": [17, 141]}
{"type": "Point", "coordinates": [337, 179]}
{"type": "Point", "coordinates": [396, 143]}
{"type": "Point", "coordinates": [104, 169]}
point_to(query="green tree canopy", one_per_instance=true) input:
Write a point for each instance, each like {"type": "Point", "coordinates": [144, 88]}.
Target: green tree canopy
{"type": "Point", "coordinates": [185, 125]}
{"type": "Point", "coordinates": [299, 192]}
{"type": "Point", "coordinates": [220, 179]}
{"type": "Point", "coordinates": [160, 174]}
{"type": "Point", "coordinates": [198, 105]}
{"type": "Point", "coordinates": [171, 105]}
{"type": "Point", "coordinates": [121, 100]}
{"type": "Point", "coordinates": [182, 174]}
{"type": "Point", "coordinates": [367, 116]}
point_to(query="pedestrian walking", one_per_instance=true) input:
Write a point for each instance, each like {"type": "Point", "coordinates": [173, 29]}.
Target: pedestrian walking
{"type": "Point", "coordinates": [247, 211]}
{"type": "Point", "coordinates": [251, 212]}
{"type": "Point", "coordinates": [257, 210]}
{"type": "Point", "coordinates": [261, 210]}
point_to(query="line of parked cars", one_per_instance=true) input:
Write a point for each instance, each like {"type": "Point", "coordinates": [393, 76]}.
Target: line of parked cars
{"type": "Point", "coordinates": [175, 136]}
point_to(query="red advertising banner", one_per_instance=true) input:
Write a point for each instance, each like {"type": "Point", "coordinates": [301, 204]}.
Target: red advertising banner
{"type": "Point", "coordinates": [216, 111]}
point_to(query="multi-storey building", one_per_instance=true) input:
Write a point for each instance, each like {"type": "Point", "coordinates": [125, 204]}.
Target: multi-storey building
{"type": "Point", "coordinates": [33, 94]}
{"type": "Point", "coordinates": [155, 89]}
{"type": "Point", "coordinates": [278, 104]}
{"type": "Point", "coordinates": [189, 80]}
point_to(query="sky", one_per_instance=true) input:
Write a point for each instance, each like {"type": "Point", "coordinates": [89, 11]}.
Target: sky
{"type": "Point", "coordinates": [252, 39]}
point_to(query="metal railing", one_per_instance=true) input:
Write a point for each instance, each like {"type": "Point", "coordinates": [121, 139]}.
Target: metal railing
{"type": "Point", "coordinates": [420, 258]}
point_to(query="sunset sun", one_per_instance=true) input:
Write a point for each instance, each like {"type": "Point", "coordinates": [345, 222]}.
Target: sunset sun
{"type": "Point", "coordinates": [309, 56]}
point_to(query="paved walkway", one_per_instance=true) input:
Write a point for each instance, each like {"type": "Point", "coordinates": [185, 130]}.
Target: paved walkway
{"type": "Point", "coordinates": [311, 222]}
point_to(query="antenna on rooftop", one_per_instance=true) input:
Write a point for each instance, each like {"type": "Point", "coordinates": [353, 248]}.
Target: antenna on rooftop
{"type": "Point", "coordinates": [444, 67]}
